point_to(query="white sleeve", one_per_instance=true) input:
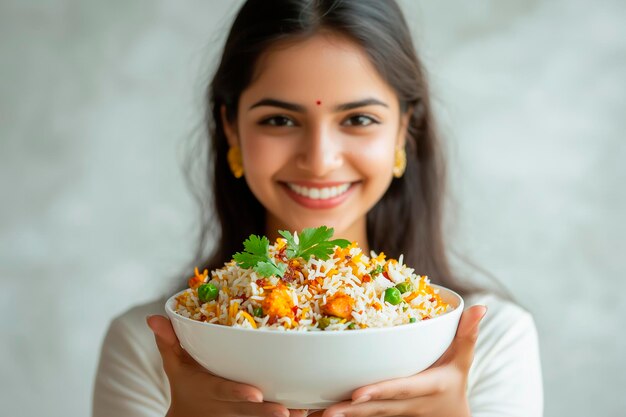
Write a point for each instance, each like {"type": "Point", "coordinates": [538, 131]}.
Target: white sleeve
{"type": "Point", "coordinates": [128, 381]}
{"type": "Point", "coordinates": [507, 376]}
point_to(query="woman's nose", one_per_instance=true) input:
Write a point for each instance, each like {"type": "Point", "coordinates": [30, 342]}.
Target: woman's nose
{"type": "Point", "coordinates": [321, 153]}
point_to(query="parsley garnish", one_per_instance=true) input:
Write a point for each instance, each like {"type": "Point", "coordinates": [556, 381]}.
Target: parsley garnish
{"type": "Point", "coordinates": [312, 242]}
{"type": "Point", "coordinates": [256, 255]}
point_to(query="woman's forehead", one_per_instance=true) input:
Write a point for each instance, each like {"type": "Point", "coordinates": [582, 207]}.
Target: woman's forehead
{"type": "Point", "coordinates": [323, 68]}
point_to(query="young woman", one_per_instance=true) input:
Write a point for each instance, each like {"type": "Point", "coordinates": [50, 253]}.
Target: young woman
{"type": "Point", "coordinates": [319, 114]}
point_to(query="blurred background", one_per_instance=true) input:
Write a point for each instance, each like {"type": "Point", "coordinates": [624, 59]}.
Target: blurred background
{"type": "Point", "coordinates": [100, 100]}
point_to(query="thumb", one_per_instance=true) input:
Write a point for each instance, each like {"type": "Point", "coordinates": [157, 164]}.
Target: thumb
{"type": "Point", "coordinates": [467, 334]}
{"type": "Point", "coordinates": [166, 340]}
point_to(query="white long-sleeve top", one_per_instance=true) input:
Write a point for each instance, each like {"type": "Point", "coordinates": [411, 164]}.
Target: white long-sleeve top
{"type": "Point", "coordinates": [504, 379]}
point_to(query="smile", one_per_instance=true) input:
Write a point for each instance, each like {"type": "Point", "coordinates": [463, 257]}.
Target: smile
{"type": "Point", "coordinates": [319, 196]}
{"type": "Point", "coordinates": [316, 193]}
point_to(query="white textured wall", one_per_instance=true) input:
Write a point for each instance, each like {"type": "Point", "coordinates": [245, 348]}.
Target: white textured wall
{"type": "Point", "coordinates": [98, 98]}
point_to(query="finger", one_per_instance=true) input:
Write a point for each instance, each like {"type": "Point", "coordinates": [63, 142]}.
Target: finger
{"type": "Point", "coordinates": [467, 334]}
{"type": "Point", "coordinates": [461, 350]}
{"type": "Point", "coordinates": [266, 409]}
{"type": "Point", "coordinates": [166, 340]}
{"type": "Point", "coordinates": [433, 380]}
{"type": "Point", "coordinates": [227, 390]}
{"type": "Point", "coordinates": [173, 354]}
{"type": "Point", "coordinates": [380, 408]}
{"type": "Point", "coordinates": [298, 413]}
{"type": "Point", "coordinates": [470, 321]}
{"type": "Point", "coordinates": [424, 383]}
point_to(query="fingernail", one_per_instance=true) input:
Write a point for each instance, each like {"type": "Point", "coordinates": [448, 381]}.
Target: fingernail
{"type": "Point", "coordinates": [281, 413]}
{"type": "Point", "coordinates": [254, 399]}
{"type": "Point", "coordinates": [148, 323]}
{"type": "Point", "coordinates": [339, 415]}
{"type": "Point", "coordinates": [361, 399]}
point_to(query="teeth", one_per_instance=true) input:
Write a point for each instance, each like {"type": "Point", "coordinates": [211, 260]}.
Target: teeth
{"type": "Point", "coordinates": [319, 193]}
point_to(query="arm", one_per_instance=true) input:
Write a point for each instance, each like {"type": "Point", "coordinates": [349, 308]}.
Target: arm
{"type": "Point", "coordinates": [127, 382]}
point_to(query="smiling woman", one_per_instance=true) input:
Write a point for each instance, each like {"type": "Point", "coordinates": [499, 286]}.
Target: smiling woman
{"type": "Point", "coordinates": [319, 114]}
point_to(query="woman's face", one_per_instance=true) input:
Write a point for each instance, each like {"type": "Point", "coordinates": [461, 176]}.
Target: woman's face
{"type": "Point", "coordinates": [318, 128]}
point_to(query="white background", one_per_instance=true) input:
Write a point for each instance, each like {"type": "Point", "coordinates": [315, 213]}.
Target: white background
{"type": "Point", "coordinates": [98, 101]}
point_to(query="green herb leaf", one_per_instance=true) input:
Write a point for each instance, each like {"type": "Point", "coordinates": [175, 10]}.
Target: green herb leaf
{"type": "Point", "coordinates": [256, 256]}
{"type": "Point", "coordinates": [267, 269]}
{"type": "Point", "coordinates": [312, 242]}
{"type": "Point", "coordinates": [291, 243]}
{"type": "Point", "coordinates": [256, 250]}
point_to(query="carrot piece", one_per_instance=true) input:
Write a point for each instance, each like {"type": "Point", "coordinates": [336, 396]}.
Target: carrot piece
{"type": "Point", "coordinates": [249, 318]}
{"type": "Point", "coordinates": [411, 296]}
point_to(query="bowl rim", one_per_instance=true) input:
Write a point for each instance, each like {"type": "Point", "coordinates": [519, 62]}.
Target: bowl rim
{"type": "Point", "coordinates": [461, 305]}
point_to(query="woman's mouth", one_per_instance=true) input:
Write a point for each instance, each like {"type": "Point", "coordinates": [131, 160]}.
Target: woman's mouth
{"type": "Point", "coordinates": [319, 196]}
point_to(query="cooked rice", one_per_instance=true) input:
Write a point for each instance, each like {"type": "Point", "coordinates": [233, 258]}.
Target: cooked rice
{"type": "Point", "coordinates": [307, 288]}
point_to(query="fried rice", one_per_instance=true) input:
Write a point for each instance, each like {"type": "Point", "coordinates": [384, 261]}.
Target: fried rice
{"type": "Point", "coordinates": [348, 291]}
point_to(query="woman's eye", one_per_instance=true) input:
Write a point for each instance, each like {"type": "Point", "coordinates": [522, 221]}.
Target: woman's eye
{"type": "Point", "coordinates": [360, 120]}
{"type": "Point", "coordinates": [278, 121]}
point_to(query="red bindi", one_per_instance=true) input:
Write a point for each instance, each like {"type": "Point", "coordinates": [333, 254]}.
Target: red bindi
{"type": "Point", "coordinates": [318, 102]}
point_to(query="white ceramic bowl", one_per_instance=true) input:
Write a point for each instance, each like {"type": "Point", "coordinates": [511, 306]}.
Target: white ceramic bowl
{"type": "Point", "coordinates": [313, 370]}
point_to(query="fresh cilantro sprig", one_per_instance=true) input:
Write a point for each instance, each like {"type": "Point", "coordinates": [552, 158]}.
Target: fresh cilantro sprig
{"type": "Point", "coordinates": [256, 256]}
{"type": "Point", "coordinates": [312, 242]}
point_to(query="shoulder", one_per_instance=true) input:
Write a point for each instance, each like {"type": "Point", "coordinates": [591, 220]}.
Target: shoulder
{"type": "Point", "coordinates": [134, 319]}
{"type": "Point", "coordinates": [506, 329]}
{"type": "Point", "coordinates": [129, 332]}
{"type": "Point", "coordinates": [501, 315]}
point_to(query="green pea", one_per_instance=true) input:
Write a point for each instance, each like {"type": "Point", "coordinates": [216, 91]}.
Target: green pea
{"type": "Point", "coordinates": [207, 292]}
{"type": "Point", "coordinates": [393, 296]}
{"type": "Point", "coordinates": [404, 287]}
{"type": "Point", "coordinates": [412, 320]}
{"type": "Point", "coordinates": [258, 312]}
{"type": "Point", "coordinates": [323, 323]}
{"type": "Point", "coordinates": [351, 326]}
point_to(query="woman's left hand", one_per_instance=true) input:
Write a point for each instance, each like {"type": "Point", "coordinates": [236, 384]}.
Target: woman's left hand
{"type": "Point", "coordinates": [438, 391]}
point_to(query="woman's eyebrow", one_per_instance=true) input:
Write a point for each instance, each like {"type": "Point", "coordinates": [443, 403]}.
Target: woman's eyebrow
{"type": "Point", "coordinates": [301, 109]}
{"type": "Point", "coordinates": [360, 103]}
{"type": "Point", "coordinates": [278, 103]}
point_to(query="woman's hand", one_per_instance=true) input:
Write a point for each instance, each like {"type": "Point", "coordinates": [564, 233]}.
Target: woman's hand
{"type": "Point", "coordinates": [196, 392]}
{"type": "Point", "coordinates": [438, 391]}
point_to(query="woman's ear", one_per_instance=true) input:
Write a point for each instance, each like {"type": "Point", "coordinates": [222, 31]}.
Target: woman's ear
{"type": "Point", "coordinates": [230, 129]}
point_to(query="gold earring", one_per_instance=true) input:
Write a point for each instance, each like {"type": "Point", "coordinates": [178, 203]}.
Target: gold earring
{"type": "Point", "coordinates": [400, 163]}
{"type": "Point", "coordinates": [235, 161]}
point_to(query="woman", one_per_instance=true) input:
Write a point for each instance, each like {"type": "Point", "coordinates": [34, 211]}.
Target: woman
{"type": "Point", "coordinates": [319, 115]}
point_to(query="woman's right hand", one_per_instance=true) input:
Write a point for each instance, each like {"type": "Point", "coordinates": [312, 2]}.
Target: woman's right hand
{"type": "Point", "coordinates": [196, 392]}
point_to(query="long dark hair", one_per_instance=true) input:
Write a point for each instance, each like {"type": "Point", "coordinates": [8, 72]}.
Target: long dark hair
{"type": "Point", "coordinates": [409, 218]}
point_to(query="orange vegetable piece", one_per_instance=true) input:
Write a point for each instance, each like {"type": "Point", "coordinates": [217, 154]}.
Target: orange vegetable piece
{"type": "Point", "coordinates": [411, 296]}
{"type": "Point", "coordinates": [197, 279]}
{"type": "Point", "coordinates": [339, 305]}
{"type": "Point", "coordinates": [278, 303]}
